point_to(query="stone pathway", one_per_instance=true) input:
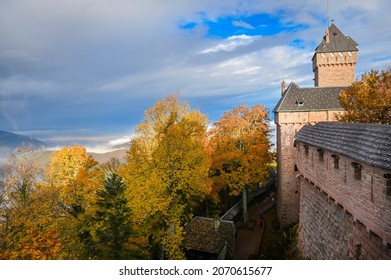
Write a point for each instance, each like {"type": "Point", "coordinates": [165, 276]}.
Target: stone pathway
{"type": "Point", "coordinates": [249, 237]}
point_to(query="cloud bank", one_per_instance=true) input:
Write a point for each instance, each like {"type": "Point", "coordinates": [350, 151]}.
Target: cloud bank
{"type": "Point", "coordinates": [89, 68]}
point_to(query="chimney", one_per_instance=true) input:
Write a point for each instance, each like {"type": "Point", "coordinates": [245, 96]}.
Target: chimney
{"type": "Point", "coordinates": [327, 37]}
{"type": "Point", "coordinates": [217, 224]}
{"type": "Point", "coordinates": [283, 87]}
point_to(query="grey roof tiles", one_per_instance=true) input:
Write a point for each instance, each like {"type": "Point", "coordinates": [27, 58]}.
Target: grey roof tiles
{"type": "Point", "coordinates": [366, 143]}
{"type": "Point", "coordinates": [296, 99]}
{"type": "Point", "coordinates": [338, 42]}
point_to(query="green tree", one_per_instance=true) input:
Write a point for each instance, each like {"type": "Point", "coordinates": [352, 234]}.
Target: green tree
{"type": "Point", "coordinates": [368, 100]}
{"type": "Point", "coordinates": [112, 220]}
{"type": "Point", "coordinates": [240, 150]}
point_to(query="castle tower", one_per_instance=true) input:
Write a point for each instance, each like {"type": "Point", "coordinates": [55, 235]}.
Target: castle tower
{"type": "Point", "coordinates": [333, 64]}
{"type": "Point", "coordinates": [334, 59]}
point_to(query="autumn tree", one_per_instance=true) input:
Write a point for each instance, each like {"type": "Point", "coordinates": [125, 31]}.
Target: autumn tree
{"type": "Point", "coordinates": [20, 172]}
{"type": "Point", "coordinates": [26, 223]}
{"type": "Point", "coordinates": [167, 173]}
{"type": "Point", "coordinates": [368, 100]}
{"type": "Point", "coordinates": [241, 151]}
{"type": "Point", "coordinates": [72, 177]}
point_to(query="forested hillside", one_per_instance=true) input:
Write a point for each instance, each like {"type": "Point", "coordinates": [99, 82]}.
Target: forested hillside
{"type": "Point", "coordinates": [134, 203]}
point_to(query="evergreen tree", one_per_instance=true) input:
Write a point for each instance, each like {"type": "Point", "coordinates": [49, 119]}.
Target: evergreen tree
{"type": "Point", "coordinates": [112, 220]}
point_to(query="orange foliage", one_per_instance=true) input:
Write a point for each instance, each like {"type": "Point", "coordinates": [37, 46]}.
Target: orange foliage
{"type": "Point", "coordinates": [240, 149]}
{"type": "Point", "coordinates": [368, 100]}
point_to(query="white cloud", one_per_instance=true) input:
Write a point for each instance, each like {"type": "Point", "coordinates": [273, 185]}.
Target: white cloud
{"type": "Point", "coordinates": [94, 63]}
{"type": "Point", "coordinates": [231, 43]}
{"type": "Point", "coordinates": [243, 24]}
{"type": "Point", "coordinates": [120, 141]}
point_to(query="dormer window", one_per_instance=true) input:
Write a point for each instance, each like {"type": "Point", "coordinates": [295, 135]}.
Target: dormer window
{"type": "Point", "coordinates": [299, 102]}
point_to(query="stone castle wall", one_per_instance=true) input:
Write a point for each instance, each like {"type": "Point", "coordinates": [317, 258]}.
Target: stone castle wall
{"type": "Point", "coordinates": [344, 214]}
{"type": "Point", "coordinates": [288, 124]}
{"type": "Point", "coordinates": [288, 190]}
{"type": "Point", "coordinates": [334, 69]}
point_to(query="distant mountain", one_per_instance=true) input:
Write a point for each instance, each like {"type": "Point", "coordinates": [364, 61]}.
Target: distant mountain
{"type": "Point", "coordinates": [9, 141]}
{"type": "Point", "coordinates": [44, 156]}
{"type": "Point", "coordinates": [104, 157]}
{"type": "Point", "coordinates": [122, 146]}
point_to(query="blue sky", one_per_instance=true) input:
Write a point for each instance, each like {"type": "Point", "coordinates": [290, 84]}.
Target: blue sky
{"type": "Point", "coordinates": [84, 71]}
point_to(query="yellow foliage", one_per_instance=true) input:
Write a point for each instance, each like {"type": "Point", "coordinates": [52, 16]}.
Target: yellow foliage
{"type": "Point", "coordinates": [72, 179]}
{"type": "Point", "coordinates": [167, 170]}
{"type": "Point", "coordinates": [29, 231]}
{"type": "Point", "coordinates": [71, 173]}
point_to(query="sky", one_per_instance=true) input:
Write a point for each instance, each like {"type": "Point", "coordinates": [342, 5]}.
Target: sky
{"type": "Point", "coordinates": [84, 71]}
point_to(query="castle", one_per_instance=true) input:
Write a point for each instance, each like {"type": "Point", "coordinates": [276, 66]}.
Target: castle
{"type": "Point", "coordinates": [341, 215]}
{"type": "Point", "coordinates": [333, 65]}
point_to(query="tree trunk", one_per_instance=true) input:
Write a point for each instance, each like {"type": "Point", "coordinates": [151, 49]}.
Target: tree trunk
{"type": "Point", "coordinates": [207, 208]}
{"type": "Point", "coordinates": [245, 213]}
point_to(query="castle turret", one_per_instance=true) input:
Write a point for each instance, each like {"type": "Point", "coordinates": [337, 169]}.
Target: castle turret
{"type": "Point", "coordinates": [334, 60]}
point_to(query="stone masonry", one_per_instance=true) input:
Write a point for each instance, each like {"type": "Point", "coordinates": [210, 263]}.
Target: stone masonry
{"type": "Point", "coordinates": [331, 69]}
{"type": "Point", "coordinates": [344, 173]}
{"type": "Point", "coordinates": [288, 124]}
{"type": "Point", "coordinates": [334, 59]}
{"type": "Point", "coordinates": [333, 65]}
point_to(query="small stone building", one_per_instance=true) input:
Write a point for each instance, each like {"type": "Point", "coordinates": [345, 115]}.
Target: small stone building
{"type": "Point", "coordinates": [344, 176]}
{"type": "Point", "coordinates": [209, 239]}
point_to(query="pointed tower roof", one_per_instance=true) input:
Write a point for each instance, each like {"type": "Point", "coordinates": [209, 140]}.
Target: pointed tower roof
{"type": "Point", "coordinates": [336, 41]}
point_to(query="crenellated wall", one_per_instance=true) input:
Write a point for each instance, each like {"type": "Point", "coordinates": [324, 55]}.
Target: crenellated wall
{"type": "Point", "coordinates": [345, 206]}
{"type": "Point", "coordinates": [334, 69]}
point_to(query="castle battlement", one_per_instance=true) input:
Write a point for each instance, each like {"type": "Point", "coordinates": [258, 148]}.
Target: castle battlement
{"type": "Point", "coordinates": [334, 60]}
{"type": "Point", "coordinates": [344, 176]}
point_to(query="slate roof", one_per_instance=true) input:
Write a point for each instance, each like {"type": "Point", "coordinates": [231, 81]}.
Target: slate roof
{"type": "Point", "coordinates": [201, 235]}
{"type": "Point", "coordinates": [296, 99]}
{"type": "Point", "coordinates": [366, 143]}
{"type": "Point", "coordinates": [338, 42]}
